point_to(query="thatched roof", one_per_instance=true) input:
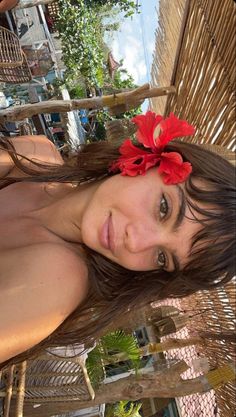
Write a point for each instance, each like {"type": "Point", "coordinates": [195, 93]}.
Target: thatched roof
{"type": "Point", "coordinates": [113, 65]}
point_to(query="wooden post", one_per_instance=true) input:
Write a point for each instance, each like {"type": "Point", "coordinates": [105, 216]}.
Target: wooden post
{"type": "Point", "coordinates": [130, 99]}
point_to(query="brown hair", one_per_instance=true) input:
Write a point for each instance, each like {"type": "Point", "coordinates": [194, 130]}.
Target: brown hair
{"type": "Point", "coordinates": [113, 289]}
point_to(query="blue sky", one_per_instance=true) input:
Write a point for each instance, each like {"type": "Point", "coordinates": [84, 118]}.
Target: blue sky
{"type": "Point", "coordinates": [134, 42]}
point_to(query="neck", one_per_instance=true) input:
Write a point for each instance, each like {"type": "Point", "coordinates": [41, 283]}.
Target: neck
{"type": "Point", "coordinates": [63, 210]}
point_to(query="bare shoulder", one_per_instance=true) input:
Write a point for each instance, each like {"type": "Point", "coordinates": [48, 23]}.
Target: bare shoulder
{"type": "Point", "coordinates": [43, 285]}
{"type": "Point", "coordinates": [53, 266]}
{"type": "Point", "coordinates": [36, 148]}
{"type": "Point", "coordinates": [56, 258]}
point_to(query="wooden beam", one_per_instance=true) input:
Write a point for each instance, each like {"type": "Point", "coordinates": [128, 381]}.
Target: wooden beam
{"type": "Point", "coordinates": [130, 98]}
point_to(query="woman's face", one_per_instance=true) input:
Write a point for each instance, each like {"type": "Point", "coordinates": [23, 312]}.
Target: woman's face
{"type": "Point", "coordinates": [139, 222]}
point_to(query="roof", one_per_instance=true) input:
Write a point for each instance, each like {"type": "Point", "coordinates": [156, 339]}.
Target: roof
{"type": "Point", "coordinates": [112, 64]}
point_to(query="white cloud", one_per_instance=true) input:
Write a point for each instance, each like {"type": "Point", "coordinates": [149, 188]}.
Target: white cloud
{"type": "Point", "coordinates": [129, 24]}
{"type": "Point", "coordinates": [131, 51]}
{"type": "Point", "coordinates": [129, 43]}
{"type": "Point", "coordinates": [116, 50]}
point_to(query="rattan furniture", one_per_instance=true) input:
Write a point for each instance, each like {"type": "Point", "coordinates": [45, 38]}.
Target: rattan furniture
{"type": "Point", "coordinates": [10, 50]}
{"type": "Point", "coordinates": [14, 68]}
{"type": "Point", "coordinates": [12, 385]}
{"type": "Point", "coordinates": [46, 379]}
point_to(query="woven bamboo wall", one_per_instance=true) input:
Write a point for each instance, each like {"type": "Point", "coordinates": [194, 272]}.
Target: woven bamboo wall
{"type": "Point", "coordinates": [203, 69]}
{"type": "Point", "coordinates": [218, 318]}
{"type": "Point", "coordinates": [170, 20]}
{"type": "Point", "coordinates": [195, 51]}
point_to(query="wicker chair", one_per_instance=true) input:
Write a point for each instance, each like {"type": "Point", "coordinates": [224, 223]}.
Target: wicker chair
{"type": "Point", "coordinates": [52, 379]}
{"type": "Point", "coordinates": [14, 67]}
{"type": "Point", "coordinates": [12, 383]}
{"type": "Point", "coordinates": [47, 379]}
{"type": "Point", "coordinates": [10, 50]}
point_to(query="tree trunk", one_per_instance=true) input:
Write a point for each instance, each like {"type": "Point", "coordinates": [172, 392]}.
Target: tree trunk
{"type": "Point", "coordinates": [24, 4]}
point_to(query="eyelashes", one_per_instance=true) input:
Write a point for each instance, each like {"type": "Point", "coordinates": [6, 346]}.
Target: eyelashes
{"type": "Point", "coordinates": [161, 259]}
{"type": "Point", "coordinates": [164, 209]}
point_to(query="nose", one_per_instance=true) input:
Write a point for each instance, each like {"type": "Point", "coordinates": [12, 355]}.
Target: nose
{"type": "Point", "coordinates": [140, 236]}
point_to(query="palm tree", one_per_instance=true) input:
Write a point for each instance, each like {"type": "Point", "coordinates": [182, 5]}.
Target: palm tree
{"type": "Point", "coordinates": [109, 349]}
{"type": "Point", "coordinates": [124, 409]}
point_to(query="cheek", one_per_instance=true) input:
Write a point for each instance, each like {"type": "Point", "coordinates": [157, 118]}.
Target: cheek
{"type": "Point", "coordinates": [136, 262]}
{"type": "Point", "coordinates": [89, 228]}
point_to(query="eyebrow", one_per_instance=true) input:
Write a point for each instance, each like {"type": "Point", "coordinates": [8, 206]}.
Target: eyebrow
{"type": "Point", "coordinates": [181, 210]}
{"type": "Point", "coordinates": [178, 221]}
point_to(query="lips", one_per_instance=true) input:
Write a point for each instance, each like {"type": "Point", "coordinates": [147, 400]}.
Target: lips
{"type": "Point", "coordinates": [107, 235]}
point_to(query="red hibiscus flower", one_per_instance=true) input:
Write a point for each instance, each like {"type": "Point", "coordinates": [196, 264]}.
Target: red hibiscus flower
{"type": "Point", "coordinates": [136, 161]}
{"type": "Point", "coordinates": [133, 160]}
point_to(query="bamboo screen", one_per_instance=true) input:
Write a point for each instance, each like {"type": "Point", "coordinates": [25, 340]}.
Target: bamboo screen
{"type": "Point", "coordinates": [196, 44]}
{"type": "Point", "coordinates": [170, 23]}
{"type": "Point", "coordinates": [195, 52]}
{"type": "Point", "coordinates": [217, 321]}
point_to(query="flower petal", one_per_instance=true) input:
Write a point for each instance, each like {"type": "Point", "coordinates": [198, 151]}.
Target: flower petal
{"type": "Point", "coordinates": [134, 161]}
{"type": "Point", "coordinates": [146, 126]}
{"type": "Point", "coordinates": [128, 149]}
{"type": "Point", "coordinates": [172, 128]}
{"type": "Point", "coordinates": [173, 169]}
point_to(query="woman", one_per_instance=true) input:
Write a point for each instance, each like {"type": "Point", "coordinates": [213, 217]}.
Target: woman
{"type": "Point", "coordinates": [79, 245]}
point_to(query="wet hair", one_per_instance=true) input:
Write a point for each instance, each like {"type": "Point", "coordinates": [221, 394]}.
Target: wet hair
{"type": "Point", "coordinates": [210, 194]}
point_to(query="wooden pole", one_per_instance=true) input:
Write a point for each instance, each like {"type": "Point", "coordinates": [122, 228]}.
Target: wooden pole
{"type": "Point", "coordinates": [151, 348]}
{"type": "Point", "coordinates": [21, 390]}
{"type": "Point", "coordinates": [130, 98]}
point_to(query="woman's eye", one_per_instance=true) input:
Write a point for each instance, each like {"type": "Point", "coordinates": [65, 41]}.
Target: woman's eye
{"type": "Point", "coordinates": [163, 207]}
{"type": "Point", "coordinates": [161, 259]}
